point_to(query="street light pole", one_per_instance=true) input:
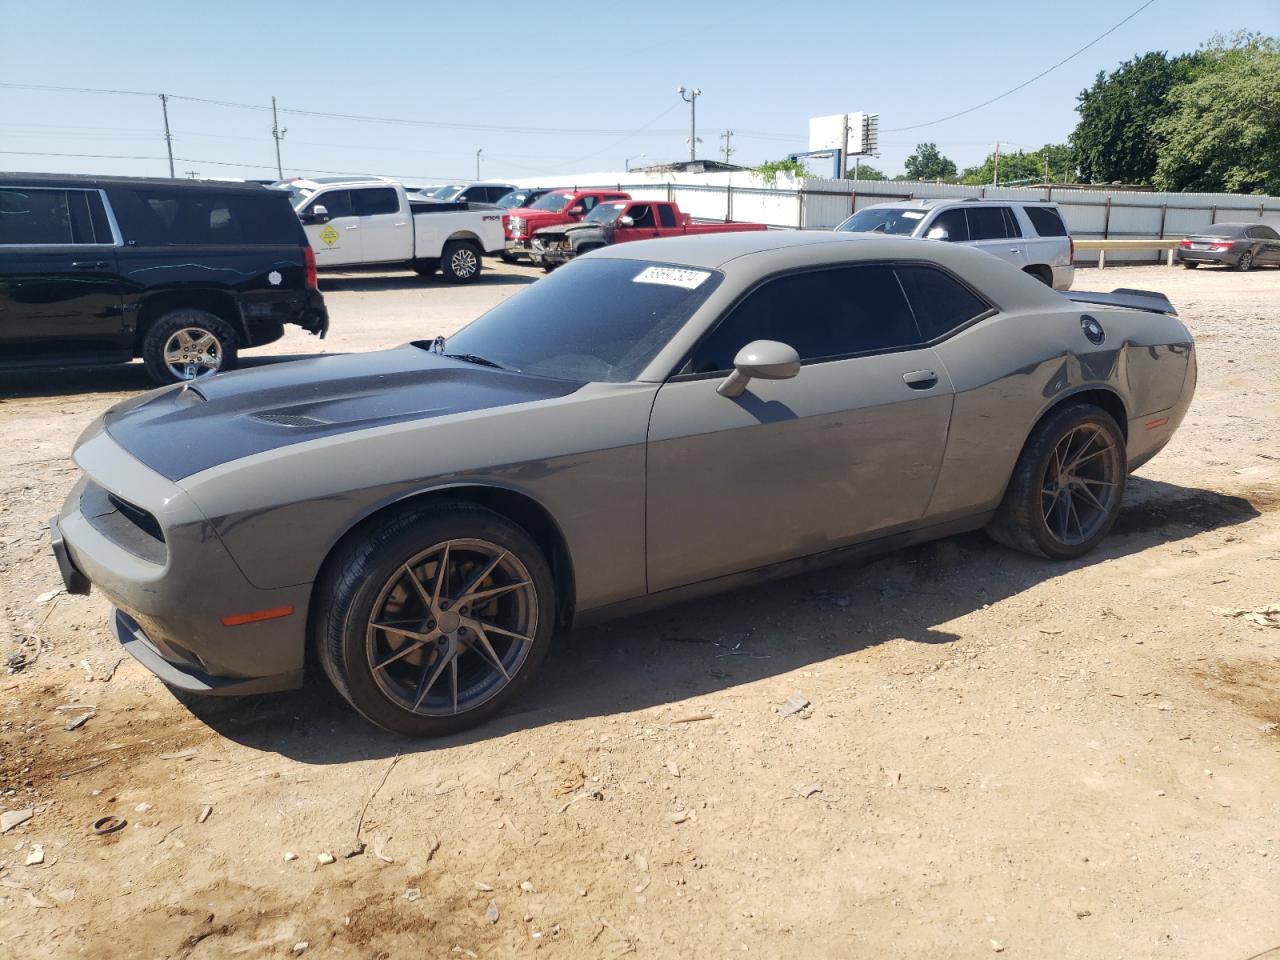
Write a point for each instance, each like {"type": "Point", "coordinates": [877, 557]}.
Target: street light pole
{"type": "Point", "coordinates": [691, 98]}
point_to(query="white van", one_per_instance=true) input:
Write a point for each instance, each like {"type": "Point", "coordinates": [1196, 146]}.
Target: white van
{"type": "Point", "coordinates": [1030, 235]}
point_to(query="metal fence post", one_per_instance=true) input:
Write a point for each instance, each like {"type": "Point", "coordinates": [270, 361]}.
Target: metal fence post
{"type": "Point", "coordinates": [1213, 214]}
{"type": "Point", "coordinates": [1106, 220]}
{"type": "Point", "coordinates": [1164, 210]}
{"type": "Point", "coordinates": [728, 202]}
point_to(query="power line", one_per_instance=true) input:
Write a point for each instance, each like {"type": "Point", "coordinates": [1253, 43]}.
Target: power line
{"type": "Point", "coordinates": [1042, 73]}
{"type": "Point", "coordinates": [218, 163]}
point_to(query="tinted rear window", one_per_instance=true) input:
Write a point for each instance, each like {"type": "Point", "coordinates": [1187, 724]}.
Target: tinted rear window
{"type": "Point", "coordinates": [182, 217]}
{"type": "Point", "coordinates": [31, 216]}
{"type": "Point", "coordinates": [939, 302]}
{"type": "Point", "coordinates": [986, 223]}
{"type": "Point", "coordinates": [1047, 221]}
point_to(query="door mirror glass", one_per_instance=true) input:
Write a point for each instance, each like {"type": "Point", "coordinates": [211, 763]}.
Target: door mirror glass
{"type": "Point", "coordinates": [625, 221]}
{"type": "Point", "coordinates": [937, 233]}
{"type": "Point", "coordinates": [766, 359]}
{"type": "Point", "coordinates": [319, 214]}
{"type": "Point", "coordinates": [576, 210]}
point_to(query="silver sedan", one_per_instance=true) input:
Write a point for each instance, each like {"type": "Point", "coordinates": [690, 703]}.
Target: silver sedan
{"type": "Point", "coordinates": [655, 421]}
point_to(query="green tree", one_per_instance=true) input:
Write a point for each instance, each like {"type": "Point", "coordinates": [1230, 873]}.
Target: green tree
{"type": "Point", "coordinates": [927, 163]}
{"type": "Point", "coordinates": [1115, 138]}
{"type": "Point", "coordinates": [1223, 128]}
{"type": "Point", "coordinates": [1052, 163]}
{"type": "Point", "coordinates": [866, 172]}
{"type": "Point", "coordinates": [769, 171]}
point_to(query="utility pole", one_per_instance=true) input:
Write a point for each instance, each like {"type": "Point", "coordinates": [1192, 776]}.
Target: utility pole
{"type": "Point", "coordinates": [478, 152]}
{"type": "Point", "coordinates": [691, 98]}
{"type": "Point", "coordinates": [168, 139]}
{"type": "Point", "coordinates": [277, 134]}
{"type": "Point", "coordinates": [727, 137]}
{"type": "Point", "coordinates": [995, 175]}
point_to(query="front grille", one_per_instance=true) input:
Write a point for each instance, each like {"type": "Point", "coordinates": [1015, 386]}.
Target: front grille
{"type": "Point", "coordinates": [140, 518]}
{"type": "Point", "coordinates": [125, 524]}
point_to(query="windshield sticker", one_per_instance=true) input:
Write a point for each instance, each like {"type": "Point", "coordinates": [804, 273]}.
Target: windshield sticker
{"type": "Point", "coordinates": [913, 214]}
{"type": "Point", "coordinates": [672, 277]}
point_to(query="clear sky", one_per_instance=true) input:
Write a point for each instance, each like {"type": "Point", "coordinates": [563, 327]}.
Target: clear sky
{"type": "Point", "coordinates": [602, 76]}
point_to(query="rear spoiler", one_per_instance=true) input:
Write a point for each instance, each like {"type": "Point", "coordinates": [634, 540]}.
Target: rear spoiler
{"type": "Point", "coordinates": [1148, 300]}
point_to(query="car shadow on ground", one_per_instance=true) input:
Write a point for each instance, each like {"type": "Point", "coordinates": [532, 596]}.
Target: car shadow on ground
{"type": "Point", "coordinates": [118, 378]}
{"type": "Point", "coordinates": [699, 648]}
{"type": "Point", "coordinates": [368, 283]}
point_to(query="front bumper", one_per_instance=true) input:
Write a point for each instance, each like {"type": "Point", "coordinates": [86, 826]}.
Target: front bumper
{"type": "Point", "coordinates": [517, 248]}
{"type": "Point", "coordinates": [144, 544]}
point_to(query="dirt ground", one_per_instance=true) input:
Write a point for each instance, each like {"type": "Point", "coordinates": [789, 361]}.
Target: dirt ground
{"type": "Point", "coordinates": [1000, 755]}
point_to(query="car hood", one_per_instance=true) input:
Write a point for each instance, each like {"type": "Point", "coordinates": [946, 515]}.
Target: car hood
{"type": "Point", "coordinates": [538, 216]}
{"type": "Point", "coordinates": [179, 431]}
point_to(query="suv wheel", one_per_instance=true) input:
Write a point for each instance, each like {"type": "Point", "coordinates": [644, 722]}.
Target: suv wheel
{"type": "Point", "coordinates": [188, 344]}
{"type": "Point", "coordinates": [460, 261]}
{"type": "Point", "coordinates": [435, 618]}
{"type": "Point", "coordinates": [1066, 488]}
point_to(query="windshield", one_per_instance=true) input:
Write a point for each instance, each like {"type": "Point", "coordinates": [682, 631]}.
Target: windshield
{"type": "Point", "coordinates": [297, 195]}
{"type": "Point", "coordinates": [516, 198]}
{"type": "Point", "coordinates": [447, 192]}
{"type": "Point", "coordinates": [555, 202]}
{"type": "Point", "coordinates": [884, 220]}
{"type": "Point", "coordinates": [592, 320]}
{"type": "Point", "coordinates": [605, 213]}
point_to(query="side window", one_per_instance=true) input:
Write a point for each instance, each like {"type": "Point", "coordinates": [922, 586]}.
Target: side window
{"type": "Point", "coordinates": [986, 223]}
{"type": "Point", "coordinates": [939, 302]}
{"type": "Point", "coordinates": [666, 215]}
{"type": "Point", "coordinates": [1011, 228]}
{"type": "Point", "coordinates": [1266, 233]}
{"type": "Point", "coordinates": [642, 214]}
{"type": "Point", "coordinates": [588, 203]}
{"type": "Point", "coordinates": [370, 203]}
{"type": "Point", "coordinates": [223, 226]}
{"type": "Point", "coordinates": [1046, 220]}
{"type": "Point", "coordinates": [337, 202]}
{"type": "Point", "coordinates": [44, 216]}
{"type": "Point", "coordinates": [953, 223]}
{"type": "Point", "coordinates": [821, 313]}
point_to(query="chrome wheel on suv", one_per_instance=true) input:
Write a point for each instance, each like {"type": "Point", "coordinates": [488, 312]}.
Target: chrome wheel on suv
{"type": "Point", "coordinates": [192, 352]}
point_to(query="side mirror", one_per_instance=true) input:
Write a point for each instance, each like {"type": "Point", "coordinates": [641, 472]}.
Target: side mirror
{"type": "Point", "coordinates": [766, 359]}
{"type": "Point", "coordinates": [319, 214]}
{"type": "Point", "coordinates": [626, 221]}
{"type": "Point", "coordinates": [576, 210]}
{"type": "Point", "coordinates": [937, 233]}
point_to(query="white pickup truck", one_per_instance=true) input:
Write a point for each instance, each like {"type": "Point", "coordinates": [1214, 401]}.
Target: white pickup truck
{"type": "Point", "coordinates": [365, 222]}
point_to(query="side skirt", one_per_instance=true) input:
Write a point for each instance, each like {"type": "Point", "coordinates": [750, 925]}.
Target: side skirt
{"type": "Point", "coordinates": [778, 571]}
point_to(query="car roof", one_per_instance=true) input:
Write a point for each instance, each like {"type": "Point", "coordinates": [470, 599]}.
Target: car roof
{"type": "Point", "coordinates": [90, 180]}
{"type": "Point", "coordinates": [935, 202]}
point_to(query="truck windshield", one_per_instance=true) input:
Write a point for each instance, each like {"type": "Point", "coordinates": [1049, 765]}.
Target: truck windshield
{"type": "Point", "coordinates": [516, 198]}
{"type": "Point", "coordinates": [555, 202]}
{"type": "Point", "coordinates": [884, 220]}
{"type": "Point", "coordinates": [605, 213]}
{"type": "Point", "coordinates": [297, 195]}
{"type": "Point", "coordinates": [448, 192]}
{"type": "Point", "coordinates": [595, 320]}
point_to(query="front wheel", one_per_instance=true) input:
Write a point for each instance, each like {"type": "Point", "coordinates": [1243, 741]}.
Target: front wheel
{"type": "Point", "coordinates": [460, 261]}
{"type": "Point", "coordinates": [1066, 488]}
{"type": "Point", "coordinates": [1189, 264]}
{"type": "Point", "coordinates": [426, 267]}
{"type": "Point", "coordinates": [435, 618]}
{"type": "Point", "coordinates": [188, 344]}
{"type": "Point", "coordinates": [1245, 263]}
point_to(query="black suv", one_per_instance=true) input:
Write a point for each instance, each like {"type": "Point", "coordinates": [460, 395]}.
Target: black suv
{"type": "Point", "coordinates": [180, 273]}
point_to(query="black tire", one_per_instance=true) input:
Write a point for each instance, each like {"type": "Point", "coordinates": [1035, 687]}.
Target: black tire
{"type": "Point", "coordinates": [508, 257]}
{"type": "Point", "coordinates": [1040, 272]}
{"type": "Point", "coordinates": [1189, 264]}
{"type": "Point", "coordinates": [426, 268]}
{"type": "Point", "coordinates": [460, 261]}
{"type": "Point", "coordinates": [356, 579]}
{"type": "Point", "coordinates": [171, 325]}
{"type": "Point", "coordinates": [1020, 522]}
{"type": "Point", "coordinates": [1245, 263]}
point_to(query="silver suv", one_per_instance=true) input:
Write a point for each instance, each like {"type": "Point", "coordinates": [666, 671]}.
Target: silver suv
{"type": "Point", "coordinates": [1030, 235]}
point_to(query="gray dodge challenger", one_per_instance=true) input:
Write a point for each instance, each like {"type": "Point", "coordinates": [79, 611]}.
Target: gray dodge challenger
{"type": "Point", "coordinates": [652, 422]}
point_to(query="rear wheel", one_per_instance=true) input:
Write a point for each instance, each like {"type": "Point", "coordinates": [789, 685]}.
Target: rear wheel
{"type": "Point", "coordinates": [1066, 489]}
{"type": "Point", "coordinates": [426, 268]}
{"type": "Point", "coordinates": [188, 344]}
{"type": "Point", "coordinates": [435, 618]}
{"type": "Point", "coordinates": [1245, 263]}
{"type": "Point", "coordinates": [508, 257]}
{"type": "Point", "coordinates": [460, 261]}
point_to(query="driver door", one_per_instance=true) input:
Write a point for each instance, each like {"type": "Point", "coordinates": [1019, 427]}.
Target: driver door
{"type": "Point", "coordinates": [847, 450]}
{"type": "Point", "coordinates": [336, 241]}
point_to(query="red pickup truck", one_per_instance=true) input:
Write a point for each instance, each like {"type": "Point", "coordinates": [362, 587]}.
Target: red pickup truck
{"type": "Point", "coordinates": [551, 210]}
{"type": "Point", "coordinates": [617, 222]}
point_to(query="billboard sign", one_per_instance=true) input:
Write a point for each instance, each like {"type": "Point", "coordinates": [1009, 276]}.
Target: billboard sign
{"type": "Point", "coordinates": [858, 134]}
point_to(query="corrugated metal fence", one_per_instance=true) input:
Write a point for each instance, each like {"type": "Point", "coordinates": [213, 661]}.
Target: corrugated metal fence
{"type": "Point", "coordinates": [822, 204]}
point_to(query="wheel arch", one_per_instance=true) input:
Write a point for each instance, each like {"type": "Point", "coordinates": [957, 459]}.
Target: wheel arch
{"type": "Point", "coordinates": [465, 236]}
{"type": "Point", "coordinates": [218, 302]}
{"type": "Point", "coordinates": [515, 505]}
{"type": "Point", "coordinates": [1103, 397]}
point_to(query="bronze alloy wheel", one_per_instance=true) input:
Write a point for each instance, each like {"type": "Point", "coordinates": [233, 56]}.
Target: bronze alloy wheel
{"type": "Point", "coordinates": [1081, 484]}
{"type": "Point", "coordinates": [452, 627]}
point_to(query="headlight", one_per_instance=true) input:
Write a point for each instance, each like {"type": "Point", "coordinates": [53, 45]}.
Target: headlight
{"type": "Point", "coordinates": [517, 226]}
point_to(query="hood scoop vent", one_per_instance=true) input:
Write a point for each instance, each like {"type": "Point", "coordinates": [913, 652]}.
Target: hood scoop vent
{"type": "Point", "coordinates": [291, 419]}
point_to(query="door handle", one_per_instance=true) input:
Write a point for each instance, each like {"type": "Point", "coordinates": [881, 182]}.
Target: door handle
{"type": "Point", "coordinates": [1013, 249]}
{"type": "Point", "coordinates": [354, 226]}
{"type": "Point", "coordinates": [88, 264]}
{"type": "Point", "coordinates": [920, 379]}
{"type": "Point", "coordinates": [402, 224]}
